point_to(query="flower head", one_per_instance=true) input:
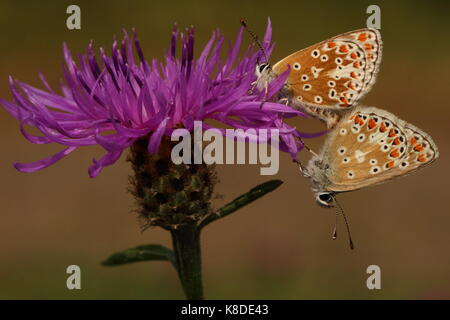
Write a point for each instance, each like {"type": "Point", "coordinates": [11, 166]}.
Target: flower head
{"type": "Point", "coordinates": [122, 99]}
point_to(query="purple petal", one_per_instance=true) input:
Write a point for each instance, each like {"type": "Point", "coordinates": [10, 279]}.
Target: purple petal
{"type": "Point", "coordinates": [155, 139]}
{"type": "Point", "coordinates": [107, 160]}
{"type": "Point", "coordinates": [44, 163]}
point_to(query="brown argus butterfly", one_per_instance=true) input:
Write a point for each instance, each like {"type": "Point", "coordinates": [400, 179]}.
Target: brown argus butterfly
{"type": "Point", "coordinates": [368, 146]}
{"type": "Point", "coordinates": [330, 77]}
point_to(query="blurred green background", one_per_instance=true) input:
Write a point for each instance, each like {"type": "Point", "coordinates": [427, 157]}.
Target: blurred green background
{"type": "Point", "coordinates": [279, 247]}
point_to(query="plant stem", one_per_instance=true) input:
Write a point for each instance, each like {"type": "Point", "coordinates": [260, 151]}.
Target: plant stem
{"type": "Point", "coordinates": [241, 201]}
{"type": "Point", "coordinates": [186, 246]}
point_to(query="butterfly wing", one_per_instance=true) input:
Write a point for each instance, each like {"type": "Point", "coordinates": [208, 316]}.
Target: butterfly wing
{"type": "Point", "coordinates": [370, 146]}
{"type": "Point", "coordinates": [334, 73]}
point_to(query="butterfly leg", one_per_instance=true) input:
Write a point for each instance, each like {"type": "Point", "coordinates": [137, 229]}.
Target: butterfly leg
{"type": "Point", "coordinates": [253, 86]}
{"type": "Point", "coordinates": [266, 93]}
{"type": "Point", "coordinates": [303, 170]}
{"type": "Point", "coordinates": [286, 102]}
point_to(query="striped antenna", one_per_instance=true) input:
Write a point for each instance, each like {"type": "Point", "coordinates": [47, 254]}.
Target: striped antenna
{"type": "Point", "coordinates": [255, 38]}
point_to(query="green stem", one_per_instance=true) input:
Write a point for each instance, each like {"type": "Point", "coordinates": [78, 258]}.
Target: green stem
{"type": "Point", "coordinates": [186, 246]}
{"type": "Point", "coordinates": [241, 201]}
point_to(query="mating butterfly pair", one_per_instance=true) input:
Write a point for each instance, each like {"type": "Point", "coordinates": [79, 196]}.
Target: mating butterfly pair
{"type": "Point", "coordinates": [366, 145]}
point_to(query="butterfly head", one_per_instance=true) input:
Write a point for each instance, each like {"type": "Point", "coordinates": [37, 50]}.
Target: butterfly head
{"type": "Point", "coordinates": [264, 75]}
{"type": "Point", "coordinates": [262, 69]}
{"type": "Point", "coordinates": [325, 199]}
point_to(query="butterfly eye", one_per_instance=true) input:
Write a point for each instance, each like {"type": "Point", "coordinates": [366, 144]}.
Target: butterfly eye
{"type": "Point", "coordinates": [325, 197]}
{"type": "Point", "coordinates": [262, 67]}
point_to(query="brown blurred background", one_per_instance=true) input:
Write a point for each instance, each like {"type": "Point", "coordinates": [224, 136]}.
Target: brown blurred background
{"type": "Point", "coordinates": [279, 247]}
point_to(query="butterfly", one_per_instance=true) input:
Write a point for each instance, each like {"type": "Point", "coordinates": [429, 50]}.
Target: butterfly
{"type": "Point", "coordinates": [368, 146]}
{"type": "Point", "coordinates": [329, 77]}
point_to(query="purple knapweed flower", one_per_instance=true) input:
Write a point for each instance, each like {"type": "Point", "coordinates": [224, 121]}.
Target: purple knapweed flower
{"type": "Point", "coordinates": [118, 101]}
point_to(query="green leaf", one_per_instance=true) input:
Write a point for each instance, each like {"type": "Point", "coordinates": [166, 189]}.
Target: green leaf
{"type": "Point", "coordinates": [241, 201]}
{"type": "Point", "coordinates": [147, 252]}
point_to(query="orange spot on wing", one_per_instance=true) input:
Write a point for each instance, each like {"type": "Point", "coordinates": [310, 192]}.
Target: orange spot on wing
{"type": "Point", "coordinates": [372, 124]}
{"type": "Point", "coordinates": [390, 164]}
{"type": "Point", "coordinates": [353, 75]}
{"type": "Point", "coordinates": [392, 133]}
{"type": "Point", "coordinates": [345, 102]}
{"type": "Point", "coordinates": [362, 37]}
{"type": "Point", "coordinates": [413, 141]}
{"type": "Point", "coordinates": [332, 44]}
{"type": "Point", "coordinates": [396, 141]}
{"type": "Point", "coordinates": [383, 127]}
{"type": "Point", "coordinates": [356, 64]}
{"type": "Point", "coordinates": [353, 55]}
{"type": "Point", "coordinates": [351, 85]}
{"type": "Point", "coordinates": [422, 158]}
{"type": "Point", "coordinates": [418, 148]}
{"type": "Point", "coordinates": [395, 153]}
{"type": "Point", "coordinates": [343, 48]}
{"type": "Point", "coordinates": [359, 120]}
{"type": "Point", "coordinates": [368, 46]}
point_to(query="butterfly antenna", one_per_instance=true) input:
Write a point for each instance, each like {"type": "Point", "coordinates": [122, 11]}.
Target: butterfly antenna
{"type": "Point", "coordinates": [341, 211]}
{"type": "Point", "coordinates": [334, 236]}
{"type": "Point", "coordinates": [310, 151]}
{"type": "Point", "coordinates": [255, 38]}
